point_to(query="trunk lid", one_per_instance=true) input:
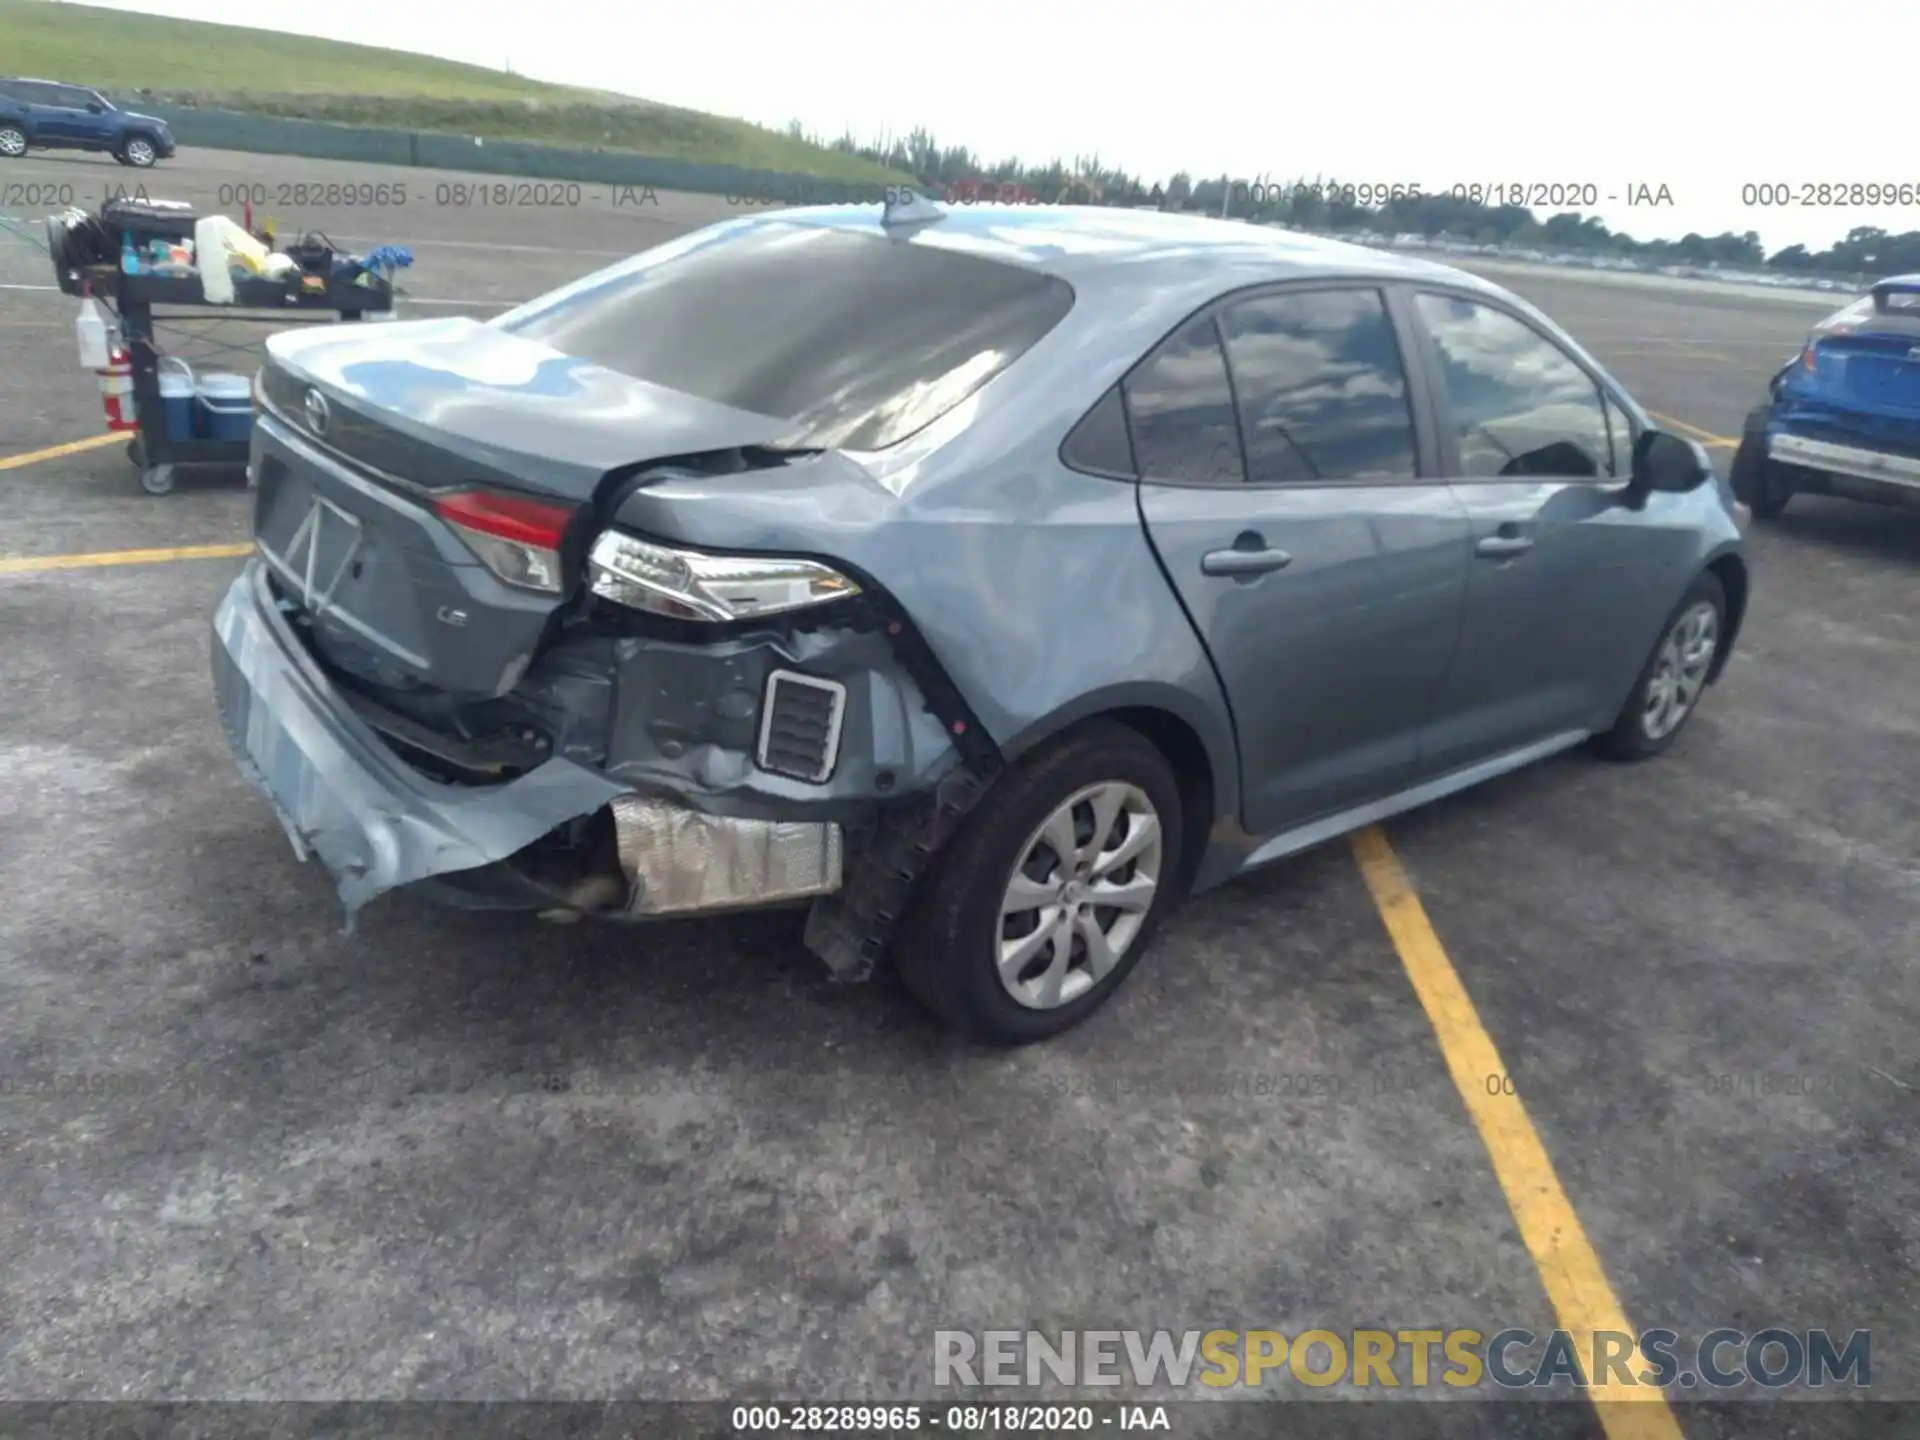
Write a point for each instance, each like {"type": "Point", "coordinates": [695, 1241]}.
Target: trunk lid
{"type": "Point", "coordinates": [1870, 369]}
{"type": "Point", "coordinates": [365, 440]}
{"type": "Point", "coordinates": [453, 402]}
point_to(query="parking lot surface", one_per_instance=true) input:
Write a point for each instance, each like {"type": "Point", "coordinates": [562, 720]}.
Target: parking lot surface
{"type": "Point", "coordinates": [456, 1157]}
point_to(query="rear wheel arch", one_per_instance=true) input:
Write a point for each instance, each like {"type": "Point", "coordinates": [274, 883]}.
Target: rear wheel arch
{"type": "Point", "coordinates": [1202, 774]}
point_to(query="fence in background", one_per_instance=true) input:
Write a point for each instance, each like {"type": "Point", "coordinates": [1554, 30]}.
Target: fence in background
{"type": "Point", "coordinates": [323, 140]}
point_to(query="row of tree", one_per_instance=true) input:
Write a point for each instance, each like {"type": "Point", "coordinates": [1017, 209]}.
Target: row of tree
{"type": "Point", "coordinates": [1867, 251]}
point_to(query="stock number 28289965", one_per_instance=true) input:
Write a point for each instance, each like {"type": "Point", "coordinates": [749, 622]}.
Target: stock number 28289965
{"type": "Point", "coordinates": [298, 193]}
{"type": "Point", "coordinates": [826, 1419]}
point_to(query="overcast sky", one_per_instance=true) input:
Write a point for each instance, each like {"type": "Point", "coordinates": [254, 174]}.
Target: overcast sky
{"type": "Point", "coordinates": [1701, 96]}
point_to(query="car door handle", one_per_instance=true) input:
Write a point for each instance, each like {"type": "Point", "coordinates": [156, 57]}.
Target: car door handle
{"type": "Point", "coordinates": [1502, 547]}
{"type": "Point", "coordinates": [1244, 562]}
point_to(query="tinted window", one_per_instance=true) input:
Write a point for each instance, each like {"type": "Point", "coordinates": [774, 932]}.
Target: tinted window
{"type": "Point", "coordinates": [1180, 408]}
{"type": "Point", "coordinates": [858, 339]}
{"type": "Point", "coordinates": [37, 94]}
{"type": "Point", "coordinates": [1321, 389]}
{"type": "Point", "coordinates": [1520, 404]}
{"type": "Point", "coordinates": [1099, 444]}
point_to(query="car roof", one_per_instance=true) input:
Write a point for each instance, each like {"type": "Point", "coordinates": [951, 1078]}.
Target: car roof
{"type": "Point", "coordinates": [1082, 242]}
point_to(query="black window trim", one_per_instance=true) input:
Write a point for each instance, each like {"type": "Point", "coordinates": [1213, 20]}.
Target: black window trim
{"type": "Point", "coordinates": [1446, 430]}
{"type": "Point", "coordinates": [1421, 412]}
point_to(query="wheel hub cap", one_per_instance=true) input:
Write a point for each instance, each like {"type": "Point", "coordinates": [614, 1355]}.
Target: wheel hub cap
{"type": "Point", "coordinates": [1079, 894]}
{"type": "Point", "coordinates": [1680, 674]}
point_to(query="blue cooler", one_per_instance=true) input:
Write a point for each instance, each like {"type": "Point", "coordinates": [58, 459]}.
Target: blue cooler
{"type": "Point", "coordinates": [225, 403]}
{"type": "Point", "coordinates": [176, 396]}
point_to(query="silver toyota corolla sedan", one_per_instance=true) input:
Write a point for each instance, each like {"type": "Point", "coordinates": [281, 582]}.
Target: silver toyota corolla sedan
{"type": "Point", "coordinates": [981, 580]}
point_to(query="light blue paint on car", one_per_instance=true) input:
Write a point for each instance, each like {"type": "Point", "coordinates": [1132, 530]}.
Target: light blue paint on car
{"type": "Point", "coordinates": [982, 580]}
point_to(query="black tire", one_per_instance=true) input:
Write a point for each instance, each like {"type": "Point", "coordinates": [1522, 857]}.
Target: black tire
{"type": "Point", "coordinates": [127, 155]}
{"type": "Point", "coordinates": [1629, 738]}
{"type": "Point", "coordinates": [945, 948]}
{"type": "Point", "coordinates": [13, 142]}
{"type": "Point", "coordinates": [1758, 483]}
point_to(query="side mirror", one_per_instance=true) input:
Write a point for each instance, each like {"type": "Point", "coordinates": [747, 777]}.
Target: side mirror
{"type": "Point", "coordinates": [1667, 462]}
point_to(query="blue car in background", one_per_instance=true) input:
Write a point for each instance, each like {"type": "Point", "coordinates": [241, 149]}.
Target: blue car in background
{"type": "Point", "coordinates": [49, 115]}
{"type": "Point", "coordinates": [1844, 418]}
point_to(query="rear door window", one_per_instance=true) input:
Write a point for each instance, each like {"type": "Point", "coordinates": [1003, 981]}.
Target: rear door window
{"type": "Point", "coordinates": [1180, 411]}
{"type": "Point", "coordinates": [1321, 389]}
{"type": "Point", "coordinates": [1521, 405]}
{"type": "Point", "coordinates": [859, 339]}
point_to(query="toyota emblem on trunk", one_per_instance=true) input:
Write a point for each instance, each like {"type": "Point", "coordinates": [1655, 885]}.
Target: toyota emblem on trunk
{"type": "Point", "coordinates": [316, 408]}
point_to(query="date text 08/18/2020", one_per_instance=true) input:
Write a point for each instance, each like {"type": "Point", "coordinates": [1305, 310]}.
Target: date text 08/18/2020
{"type": "Point", "coordinates": [1256, 194]}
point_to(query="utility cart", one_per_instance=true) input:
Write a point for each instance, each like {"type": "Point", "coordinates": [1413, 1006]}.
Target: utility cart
{"type": "Point", "coordinates": [328, 287]}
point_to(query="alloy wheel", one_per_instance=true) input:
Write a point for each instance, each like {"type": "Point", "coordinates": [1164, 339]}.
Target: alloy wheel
{"type": "Point", "coordinates": [12, 142]}
{"type": "Point", "coordinates": [139, 153]}
{"type": "Point", "coordinates": [1680, 672]}
{"type": "Point", "coordinates": [1079, 895]}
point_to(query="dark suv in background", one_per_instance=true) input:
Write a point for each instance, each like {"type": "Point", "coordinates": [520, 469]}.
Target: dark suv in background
{"type": "Point", "coordinates": [47, 115]}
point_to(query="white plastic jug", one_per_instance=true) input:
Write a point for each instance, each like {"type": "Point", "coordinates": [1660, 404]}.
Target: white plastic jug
{"type": "Point", "coordinates": [90, 326]}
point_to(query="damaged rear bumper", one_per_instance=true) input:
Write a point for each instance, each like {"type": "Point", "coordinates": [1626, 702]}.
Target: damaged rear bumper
{"type": "Point", "coordinates": [375, 823]}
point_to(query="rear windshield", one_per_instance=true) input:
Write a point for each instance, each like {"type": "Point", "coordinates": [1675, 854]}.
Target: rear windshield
{"type": "Point", "coordinates": [858, 339]}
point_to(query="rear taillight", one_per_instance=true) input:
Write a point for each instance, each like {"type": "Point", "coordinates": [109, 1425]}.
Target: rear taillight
{"type": "Point", "coordinates": [517, 539]}
{"type": "Point", "coordinates": [1809, 361]}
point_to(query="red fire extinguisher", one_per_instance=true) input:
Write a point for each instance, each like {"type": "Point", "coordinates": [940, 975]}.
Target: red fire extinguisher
{"type": "Point", "coordinates": [116, 389]}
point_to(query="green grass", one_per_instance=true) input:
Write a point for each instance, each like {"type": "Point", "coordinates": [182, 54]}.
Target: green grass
{"type": "Point", "coordinates": [194, 62]}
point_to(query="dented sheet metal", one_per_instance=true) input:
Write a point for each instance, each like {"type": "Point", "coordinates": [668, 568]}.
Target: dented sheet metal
{"type": "Point", "coordinates": [373, 822]}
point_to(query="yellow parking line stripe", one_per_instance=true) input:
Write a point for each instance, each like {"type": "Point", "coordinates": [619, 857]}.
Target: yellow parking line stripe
{"type": "Point", "coordinates": [1705, 437]}
{"type": "Point", "coordinates": [54, 452]}
{"type": "Point", "coordinates": [1575, 1283]}
{"type": "Point", "coordinates": [32, 563]}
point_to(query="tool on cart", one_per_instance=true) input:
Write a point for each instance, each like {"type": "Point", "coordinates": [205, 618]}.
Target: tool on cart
{"type": "Point", "coordinates": [116, 390]}
{"type": "Point", "coordinates": [137, 254]}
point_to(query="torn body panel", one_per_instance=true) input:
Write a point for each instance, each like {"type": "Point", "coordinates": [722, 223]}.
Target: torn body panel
{"type": "Point", "coordinates": [686, 718]}
{"type": "Point", "coordinates": [498, 800]}
{"type": "Point", "coordinates": [372, 821]}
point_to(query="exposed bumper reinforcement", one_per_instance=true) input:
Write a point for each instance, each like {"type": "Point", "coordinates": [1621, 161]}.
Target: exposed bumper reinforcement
{"type": "Point", "coordinates": [376, 824]}
{"type": "Point", "coordinates": [681, 862]}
